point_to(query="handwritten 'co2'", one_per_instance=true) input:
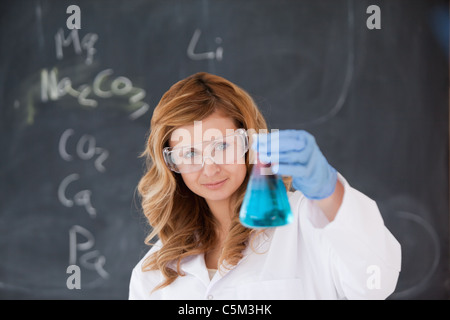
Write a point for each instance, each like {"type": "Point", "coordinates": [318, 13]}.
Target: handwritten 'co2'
{"type": "Point", "coordinates": [86, 149]}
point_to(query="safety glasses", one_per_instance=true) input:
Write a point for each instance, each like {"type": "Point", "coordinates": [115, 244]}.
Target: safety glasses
{"type": "Point", "coordinates": [229, 149]}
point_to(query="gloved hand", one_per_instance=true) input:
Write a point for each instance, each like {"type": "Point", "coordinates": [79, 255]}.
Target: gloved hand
{"type": "Point", "coordinates": [295, 153]}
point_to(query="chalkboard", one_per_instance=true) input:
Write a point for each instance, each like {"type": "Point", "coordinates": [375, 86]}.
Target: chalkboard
{"type": "Point", "coordinates": [75, 109]}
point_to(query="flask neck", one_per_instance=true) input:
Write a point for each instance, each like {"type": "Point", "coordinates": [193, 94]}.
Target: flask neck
{"type": "Point", "coordinates": [263, 169]}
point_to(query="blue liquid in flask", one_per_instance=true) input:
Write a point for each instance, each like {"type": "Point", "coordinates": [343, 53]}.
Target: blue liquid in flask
{"type": "Point", "coordinates": [265, 202]}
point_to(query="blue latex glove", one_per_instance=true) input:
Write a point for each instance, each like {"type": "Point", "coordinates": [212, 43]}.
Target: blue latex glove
{"type": "Point", "coordinates": [298, 156]}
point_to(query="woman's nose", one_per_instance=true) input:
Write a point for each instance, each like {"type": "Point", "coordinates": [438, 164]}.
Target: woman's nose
{"type": "Point", "coordinates": [210, 168]}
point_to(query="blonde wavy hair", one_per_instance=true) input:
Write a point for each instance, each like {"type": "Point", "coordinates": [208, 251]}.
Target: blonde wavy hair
{"type": "Point", "coordinates": [178, 217]}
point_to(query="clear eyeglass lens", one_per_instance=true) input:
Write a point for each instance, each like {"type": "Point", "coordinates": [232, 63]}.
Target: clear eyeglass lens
{"type": "Point", "coordinates": [227, 150]}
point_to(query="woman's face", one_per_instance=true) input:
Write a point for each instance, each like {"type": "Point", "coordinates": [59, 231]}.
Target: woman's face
{"type": "Point", "coordinates": [214, 182]}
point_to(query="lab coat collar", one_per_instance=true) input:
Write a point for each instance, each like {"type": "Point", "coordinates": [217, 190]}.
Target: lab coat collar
{"type": "Point", "coordinates": [195, 265]}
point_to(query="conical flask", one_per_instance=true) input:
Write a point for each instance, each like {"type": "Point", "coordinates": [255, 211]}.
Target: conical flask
{"type": "Point", "coordinates": [265, 202]}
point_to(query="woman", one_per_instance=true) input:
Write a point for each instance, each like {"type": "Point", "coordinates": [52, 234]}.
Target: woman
{"type": "Point", "coordinates": [336, 247]}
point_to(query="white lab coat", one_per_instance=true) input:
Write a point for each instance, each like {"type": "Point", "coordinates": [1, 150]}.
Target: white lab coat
{"type": "Point", "coordinates": [353, 257]}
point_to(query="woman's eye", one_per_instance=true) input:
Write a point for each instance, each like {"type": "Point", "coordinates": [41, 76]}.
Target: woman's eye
{"type": "Point", "coordinates": [190, 154]}
{"type": "Point", "coordinates": [221, 146]}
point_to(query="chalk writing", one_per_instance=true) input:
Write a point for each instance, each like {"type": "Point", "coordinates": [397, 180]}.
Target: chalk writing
{"type": "Point", "coordinates": [102, 86]}
{"type": "Point", "coordinates": [86, 149]}
{"type": "Point", "coordinates": [92, 260]}
{"type": "Point", "coordinates": [53, 89]}
{"type": "Point", "coordinates": [210, 55]}
{"type": "Point", "coordinates": [81, 198]}
{"type": "Point", "coordinates": [81, 240]}
{"type": "Point", "coordinates": [87, 43]}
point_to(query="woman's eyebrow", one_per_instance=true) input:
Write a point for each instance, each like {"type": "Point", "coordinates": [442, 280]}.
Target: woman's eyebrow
{"type": "Point", "coordinates": [196, 144]}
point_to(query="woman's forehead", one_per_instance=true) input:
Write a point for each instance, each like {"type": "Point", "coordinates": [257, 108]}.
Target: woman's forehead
{"type": "Point", "coordinates": [210, 128]}
{"type": "Point", "coordinates": [184, 138]}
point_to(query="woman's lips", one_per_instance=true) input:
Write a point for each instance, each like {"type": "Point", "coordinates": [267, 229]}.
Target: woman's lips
{"type": "Point", "coordinates": [215, 185]}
